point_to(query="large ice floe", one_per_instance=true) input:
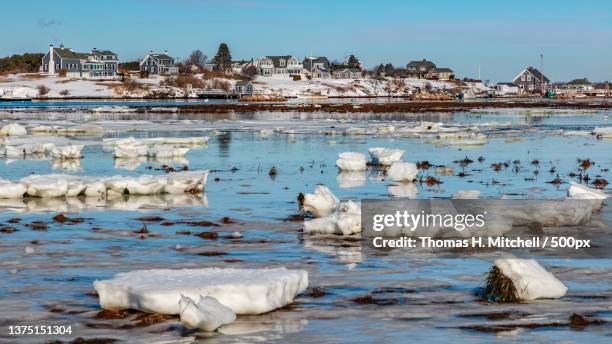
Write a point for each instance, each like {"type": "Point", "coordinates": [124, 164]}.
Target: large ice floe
{"type": "Point", "coordinates": [243, 291]}
{"type": "Point", "coordinates": [578, 191]}
{"type": "Point", "coordinates": [60, 185]}
{"type": "Point", "coordinates": [385, 156]}
{"type": "Point", "coordinates": [207, 314]}
{"type": "Point", "coordinates": [351, 161]}
{"type": "Point", "coordinates": [402, 171]}
{"type": "Point", "coordinates": [529, 279]}
{"type": "Point", "coordinates": [13, 129]}
{"type": "Point", "coordinates": [80, 129]}
{"type": "Point", "coordinates": [322, 202]}
{"type": "Point", "coordinates": [154, 147]}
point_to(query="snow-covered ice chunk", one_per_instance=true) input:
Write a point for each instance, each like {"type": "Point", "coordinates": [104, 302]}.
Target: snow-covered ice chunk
{"type": "Point", "coordinates": [244, 291]}
{"type": "Point", "coordinates": [67, 152]}
{"type": "Point", "coordinates": [402, 171]}
{"type": "Point", "coordinates": [161, 151]}
{"type": "Point", "coordinates": [603, 132]}
{"type": "Point", "coordinates": [13, 129]}
{"type": "Point", "coordinates": [146, 185]}
{"type": "Point", "coordinates": [345, 221]}
{"type": "Point", "coordinates": [385, 156]}
{"type": "Point", "coordinates": [355, 131]}
{"type": "Point", "coordinates": [579, 191]}
{"type": "Point", "coordinates": [322, 202]}
{"type": "Point", "coordinates": [530, 279]}
{"type": "Point", "coordinates": [10, 190]}
{"type": "Point", "coordinates": [351, 161]}
{"type": "Point", "coordinates": [466, 194]}
{"type": "Point", "coordinates": [187, 181]}
{"type": "Point", "coordinates": [46, 185]}
{"type": "Point", "coordinates": [130, 151]}
{"type": "Point", "coordinates": [208, 314]}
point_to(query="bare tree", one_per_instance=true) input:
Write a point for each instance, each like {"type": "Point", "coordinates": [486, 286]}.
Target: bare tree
{"type": "Point", "coordinates": [197, 58]}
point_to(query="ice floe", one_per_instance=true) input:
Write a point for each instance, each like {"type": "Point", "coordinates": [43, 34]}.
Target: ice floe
{"type": "Point", "coordinates": [603, 132]}
{"type": "Point", "coordinates": [321, 203]}
{"type": "Point", "coordinates": [402, 171]}
{"type": "Point", "coordinates": [530, 279]}
{"type": "Point", "coordinates": [579, 191]}
{"type": "Point", "coordinates": [207, 314]}
{"type": "Point", "coordinates": [346, 220]}
{"type": "Point", "coordinates": [244, 291]}
{"type": "Point", "coordinates": [67, 152]}
{"type": "Point", "coordinates": [385, 156]}
{"type": "Point", "coordinates": [60, 185]}
{"type": "Point", "coordinates": [13, 129]}
{"type": "Point", "coordinates": [80, 129]}
{"type": "Point", "coordinates": [351, 161]}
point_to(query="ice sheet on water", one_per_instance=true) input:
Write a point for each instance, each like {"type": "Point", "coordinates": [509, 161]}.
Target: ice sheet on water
{"type": "Point", "coordinates": [207, 314]}
{"type": "Point", "coordinates": [244, 291]}
{"type": "Point", "coordinates": [530, 279]}
{"type": "Point", "coordinates": [351, 161]}
{"type": "Point", "coordinates": [322, 202]}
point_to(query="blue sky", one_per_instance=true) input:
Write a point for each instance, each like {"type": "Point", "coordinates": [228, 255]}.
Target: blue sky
{"type": "Point", "coordinates": [501, 36]}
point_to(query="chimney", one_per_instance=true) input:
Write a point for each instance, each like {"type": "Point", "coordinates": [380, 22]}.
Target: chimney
{"type": "Point", "coordinates": [166, 52]}
{"type": "Point", "coordinates": [61, 46]}
{"type": "Point", "coordinates": [51, 67]}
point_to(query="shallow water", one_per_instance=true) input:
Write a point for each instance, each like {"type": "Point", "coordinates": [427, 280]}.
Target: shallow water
{"type": "Point", "coordinates": [423, 297]}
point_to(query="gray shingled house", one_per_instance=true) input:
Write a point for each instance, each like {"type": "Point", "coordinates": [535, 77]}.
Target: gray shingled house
{"type": "Point", "coordinates": [97, 64]}
{"type": "Point", "coordinates": [317, 67]}
{"type": "Point", "coordinates": [419, 69]}
{"type": "Point", "coordinates": [285, 65]}
{"type": "Point", "coordinates": [158, 64]}
{"type": "Point", "coordinates": [531, 80]}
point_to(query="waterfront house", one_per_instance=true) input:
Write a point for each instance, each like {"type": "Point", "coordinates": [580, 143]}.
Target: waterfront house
{"type": "Point", "coordinates": [440, 74]}
{"type": "Point", "coordinates": [577, 86]}
{"type": "Point", "coordinates": [241, 66]}
{"type": "Point", "coordinates": [286, 65]}
{"type": "Point", "coordinates": [96, 64]}
{"type": "Point", "coordinates": [506, 88]}
{"type": "Point", "coordinates": [531, 80]}
{"type": "Point", "coordinates": [158, 64]}
{"type": "Point", "coordinates": [347, 73]}
{"type": "Point", "coordinates": [243, 87]}
{"type": "Point", "coordinates": [419, 69]}
{"type": "Point", "coordinates": [317, 67]}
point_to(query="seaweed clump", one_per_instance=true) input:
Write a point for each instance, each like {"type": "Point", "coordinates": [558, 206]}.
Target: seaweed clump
{"type": "Point", "coordinates": [499, 288]}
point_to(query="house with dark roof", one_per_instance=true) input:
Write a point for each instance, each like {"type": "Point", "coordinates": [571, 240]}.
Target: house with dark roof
{"type": "Point", "coordinates": [347, 73]}
{"type": "Point", "coordinates": [243, 87]}
{"type": "Point", "coordinates": [577, 86]}
{"type": "Point", "coordinates": [158, 64]}
{"type": "Point", "coordinates": [285, 65]}
{"type": "Point", "coordinates": [96, 64]}
{"type": "Point", "coordinates": [531, 80]}
{"type": "Point", "coordinates": [440, 74]}
{"type": "Point", "coordinates": [419, 69]}
{"type": "Point", "coordinates": [317, 67]}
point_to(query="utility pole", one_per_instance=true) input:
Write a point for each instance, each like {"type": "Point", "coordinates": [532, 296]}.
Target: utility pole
{"type": "Point", "coordinates": [542, 82]}
{"type": "Point", "coordinates": [479, 71]}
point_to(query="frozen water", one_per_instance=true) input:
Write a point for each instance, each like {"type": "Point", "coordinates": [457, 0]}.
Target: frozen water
{"type": "Point", "coordinates": [345, 221]}
{"type": "Point", "coordinates": [208, 314]}
{"type": "Point", "coordinates": [402, 171]}
{"type": "Point", "coordinates": [13, 129]}
{"type": "Point", "coordinates": [321, 203]}
{"type": "Point", "coordinates": [385, 156]}
{"type": "Point", "coordinates": [530, 279]}
{"type": "Point", "coordinates": [244, 291]}
{"type": "Point", "coordinates": [351, 161]}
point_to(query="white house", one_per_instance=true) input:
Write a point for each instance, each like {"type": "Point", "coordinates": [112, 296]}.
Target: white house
{"type": "Point", "coordinates": [278, 66]}
{"type": "Point", "coordinates": [347, 73]}
{"type": "Point", "coordinates": [158, 63]}
{"type": "Point", "coordinates": [507, 88]}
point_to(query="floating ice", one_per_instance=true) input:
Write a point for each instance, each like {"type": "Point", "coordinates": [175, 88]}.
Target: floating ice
{"type": "Point", "coordinates": [208, 314]}
{"type": "Point", "coordinates": [466, 194]}
{"type": "Point", "coordinates": [530, 279]}
{"type": "Point", "coordinates": [351, 161]}
{"type": "Point", "coordinates": [578, 191]}
{"type": "Point", "coordinates": [187, 181]}
{"type": "Point", "coordinates": [603, 132]}
{"type": "Point", "coordinates": [83, 129]}
{"type": "Point", "coordinates": [10, 190]}
{"type": "Point", "coordinates": [161, 151]}
{"type": "Point", "coordinates": [244, 291]}
{"type": "Point", "coordinates": [462, 138]}
{"type": "Point", "coordinates": [130, 151]}
{"type": "Point", "coordinates": [385, 156]}
{"type": "Point", "coordinates": [322, 202]}
{"type": "Point", "coordinates": [13, 129]}
{"type": "Point", "coordinates": [67, 152]}
{"type": "Point", "coordinates": [345, 221]}
{"type": "Point", "coordinates": [402, 171]}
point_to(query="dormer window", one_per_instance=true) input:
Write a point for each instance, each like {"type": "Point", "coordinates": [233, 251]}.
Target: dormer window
{"type": "Point", "coordinates": [282, 63]}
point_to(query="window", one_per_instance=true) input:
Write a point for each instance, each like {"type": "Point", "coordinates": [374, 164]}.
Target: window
{"type": "Point", "coordinates": [529, 77]}
{"type": "Point", "coordinates": [523, 77]}
{"type": "Point", "coordinates": [282, 63]}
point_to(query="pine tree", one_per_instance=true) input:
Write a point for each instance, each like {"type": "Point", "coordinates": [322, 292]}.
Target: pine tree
{"type": "Point", "coordinates": [389, 70]}
{"type": "Point", "coordinates": [223, 58]}
{"type": "Point", "coordinates": [380, 69]}
{"type": "Point", "coordinates": [353, 62]}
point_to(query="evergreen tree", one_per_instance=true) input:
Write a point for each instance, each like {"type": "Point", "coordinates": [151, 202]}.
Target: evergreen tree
{"type": "Point", "coordinates": [223, 58]}
{"type": "Point", "coordinates": [353, 62]}
{"type": "Point", "coordinates": [389, 70]}
{"type": "Point", "coordinates": [380, 69]}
